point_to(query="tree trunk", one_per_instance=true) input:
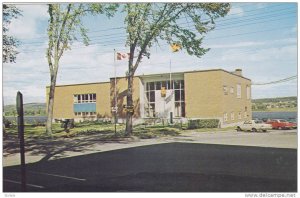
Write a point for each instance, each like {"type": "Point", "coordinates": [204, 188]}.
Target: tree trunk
{"type": "Point", "coordinates": [50, 106]}
{"type": "Point", "coordinates": [129, 113]}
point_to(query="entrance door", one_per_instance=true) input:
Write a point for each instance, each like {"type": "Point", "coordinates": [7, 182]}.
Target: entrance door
{"type": "Point", "coordinates": [164, 105]}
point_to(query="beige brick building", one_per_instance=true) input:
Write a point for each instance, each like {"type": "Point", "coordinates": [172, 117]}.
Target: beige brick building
{"type": "Point", "coordinates": [205, 94]}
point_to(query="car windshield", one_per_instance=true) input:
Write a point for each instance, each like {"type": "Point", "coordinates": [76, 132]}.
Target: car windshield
{"type": "Point", "coordinates": [258, 121]}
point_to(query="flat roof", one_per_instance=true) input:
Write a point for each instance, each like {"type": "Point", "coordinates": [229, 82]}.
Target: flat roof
{"type": "Point", "coordinates": [149, 75]}
{"type": "Point", "coordinates": [80, 84]}
{"type": "Point", "coordinates": [194, 71]}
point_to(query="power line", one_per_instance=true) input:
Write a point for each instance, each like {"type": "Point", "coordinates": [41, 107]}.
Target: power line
{"type": "Point", "coordinates": [111, 42]}
{"type": "Point", "coordinates": [219, 20]}
{"type": "Point", "coordinates": [241, 34]}
{"type": "Point", "coordinates": [278, 81]}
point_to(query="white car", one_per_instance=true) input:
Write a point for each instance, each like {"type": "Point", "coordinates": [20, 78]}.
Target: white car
{"type": "Point", "coordinates": [254, 125]}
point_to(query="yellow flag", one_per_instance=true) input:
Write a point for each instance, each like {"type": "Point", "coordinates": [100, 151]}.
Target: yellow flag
{"type": "Point", "coordinates": [175, 47]}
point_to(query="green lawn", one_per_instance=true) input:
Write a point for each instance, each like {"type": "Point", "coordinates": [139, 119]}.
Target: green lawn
{"type": "Point", "coordinates": [107, 130]}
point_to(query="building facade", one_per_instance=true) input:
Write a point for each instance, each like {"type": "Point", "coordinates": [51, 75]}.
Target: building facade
{"type": "Point", "coordinates": [206, 94]}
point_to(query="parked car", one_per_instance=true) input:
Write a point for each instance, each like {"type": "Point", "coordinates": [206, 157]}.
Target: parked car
{"type": "Point", "coordinates": [254, 125]}
{"type": "Point", "coordinates": [281, 124]}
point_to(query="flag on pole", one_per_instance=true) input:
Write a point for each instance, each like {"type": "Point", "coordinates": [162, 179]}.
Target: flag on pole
{"type": "Point", "coordinates": [175, 47]}
{"type": "Point", "coordinates": [122, 56]}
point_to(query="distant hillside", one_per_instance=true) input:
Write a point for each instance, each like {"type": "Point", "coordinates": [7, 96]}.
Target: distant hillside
{"type": "Point", "coordinates": [275, 104]}
{"type": "Point", "coordinates": [282, 99]}
{"type": "Point", "coordinates": [33, 109]}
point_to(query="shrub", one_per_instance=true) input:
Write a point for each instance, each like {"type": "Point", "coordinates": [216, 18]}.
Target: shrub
{"type": "Point", "coordinates": [6, 123]}
{"type": "Point", "coordinates": [205, 123]}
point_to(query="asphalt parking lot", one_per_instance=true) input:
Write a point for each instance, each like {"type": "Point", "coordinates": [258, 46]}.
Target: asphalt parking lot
{"type": "Point", "coordinates": [195, 162]}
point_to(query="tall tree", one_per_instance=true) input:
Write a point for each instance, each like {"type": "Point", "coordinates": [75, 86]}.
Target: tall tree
{"type": "Point", "coordinates": [149, 23]}
{"type": "Point", "coordinates": [65, 25]}
{"type": "Point", "coordinates": [9, 51]}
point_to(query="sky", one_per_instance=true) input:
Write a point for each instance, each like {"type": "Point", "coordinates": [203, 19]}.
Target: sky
{"type": "Point", "coordinates": [259, 38]}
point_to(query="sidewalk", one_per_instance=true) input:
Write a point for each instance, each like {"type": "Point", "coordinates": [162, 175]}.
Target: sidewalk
{"type": "Point", "coordinates": [47, 149]}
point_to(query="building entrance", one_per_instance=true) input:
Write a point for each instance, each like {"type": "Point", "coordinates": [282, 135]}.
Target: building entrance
{"type": "Point", "coordinates": [164, 104]}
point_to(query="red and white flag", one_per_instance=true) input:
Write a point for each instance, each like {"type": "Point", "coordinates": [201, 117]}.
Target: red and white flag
{"type": "Point", "coordinates": [122, 56]}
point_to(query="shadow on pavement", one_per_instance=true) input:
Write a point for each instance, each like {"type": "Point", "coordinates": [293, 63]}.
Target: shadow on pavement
{"type": "Point", "coordinates": [170, 167]}
{"type": "Point", "coordinates": [56, 148]}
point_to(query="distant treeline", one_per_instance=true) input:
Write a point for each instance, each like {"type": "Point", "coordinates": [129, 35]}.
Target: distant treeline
{"type": "Point", "coordinates": [275, 104]}
{"type": "Point", "coordinates": [30, 109]}
{"type": "Point", "coordinates": [282, 99]}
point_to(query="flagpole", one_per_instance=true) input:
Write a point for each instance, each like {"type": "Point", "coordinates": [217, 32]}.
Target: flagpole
{"type": "Point", "coordinates": [116, 100]}
{"type": "Point", "coordinates": [171, 86]}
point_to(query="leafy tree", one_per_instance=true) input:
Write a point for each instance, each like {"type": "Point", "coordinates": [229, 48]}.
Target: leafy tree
{"type": "Point", "coordinates": [149, 23]}
{"type": "Point", "coordinates": [10, 43]}
{"type": "Point", "coordinates": [65, 25]}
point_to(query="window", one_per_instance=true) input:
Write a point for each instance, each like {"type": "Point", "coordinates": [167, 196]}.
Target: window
{"type": "Point", "coordinates": [245, 114]}
{"type": "Point", "coordinates": [240, 115]}
{"type": "Point", "coordinates": [238, 91]}
{"type": "Point", "coordinates": [225, 90]}
{"type": "Point", "coordinates": [150, 98]}
{"type": "Point", "coordinates": [248, 92]}
{"type": "Point", "coordinates": [85, 98]}
{"type": "Point", "coordinates": [231, 90]}
{"type": "Point", "coordinates": [158, 85]}
{"type": "Point", "coordinates": [232, 115]}
{"type": "Point", "coordinates": [225, 117]}
{"type": "Point", "coordinates": [176, 85]}
{"type": "Point", "coordinates": [179, 98]}
{"type": "Point", "coordinates": [84, 104]}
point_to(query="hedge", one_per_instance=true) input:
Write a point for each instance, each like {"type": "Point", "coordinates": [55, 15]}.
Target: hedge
{"type": "Point", "coordinates": [205, 123]}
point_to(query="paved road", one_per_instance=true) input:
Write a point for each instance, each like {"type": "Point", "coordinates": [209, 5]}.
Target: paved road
{"type": "Point", "coordinates": [168, 167]}
{"type": "Point", "coordinates": [273, 138]}
{"type": "Point", "coordinates": [45, 149]}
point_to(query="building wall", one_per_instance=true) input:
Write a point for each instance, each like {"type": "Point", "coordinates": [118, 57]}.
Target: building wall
{"type": "Point", "coordinates": [203, 94]}
{"type": "Point", "coordinates": [122, 87]}
{"type": "Point", "coordinates": [231, 103]}
{"type": "Point", "coordinates": [63, 100]}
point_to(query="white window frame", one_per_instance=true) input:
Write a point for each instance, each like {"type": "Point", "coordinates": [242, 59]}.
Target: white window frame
{"type": "Point", "coordinates": [232, 115]}
{"type": "Point", "coordinates": [83, 99]}
{"type": "Point", "coordinates": [240, 115]}
{"type": "Point", "coordinates": [239, 91]}
{"type": "Point", "coordinates": [225, 117]}
{"type": "Point", "coordinates": [231, 90]}
{"type": "Point", "coordinates": [248, 92]}
{"type": "Point", "coordinates": [225, 89]}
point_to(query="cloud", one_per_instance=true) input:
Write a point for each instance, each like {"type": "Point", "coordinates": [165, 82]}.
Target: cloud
{"type": "Point", "coordinates": [236, 45]}
{"type": "Point", "coordinates": [236, 10]}
{"type": "Point", "coordinates": [267, 54]}
{"type": "Point", "coordinates": [260, 5]}
{"type": "Point", "coordinates": [26, 26]}
{"type": "Point", "coordinates": [31, 93]}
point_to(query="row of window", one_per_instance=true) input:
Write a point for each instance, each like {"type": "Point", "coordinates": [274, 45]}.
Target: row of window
{"type": "Point", "coordinates": [238, 91]}
{"type": "Point", "coordinates": [178, 94]}
{"type": "Point", "coordinates": [232, 116]}
{"type": "Point", "coordinates": [85, 113]}
{"type": "Point", "coordinates": [85, 98]}
{"type": "Point", "coordinates": [175, 84]}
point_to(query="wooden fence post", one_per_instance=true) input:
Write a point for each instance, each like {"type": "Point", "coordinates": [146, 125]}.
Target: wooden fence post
{"type": "Point", "coordinates": [21, 138]}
